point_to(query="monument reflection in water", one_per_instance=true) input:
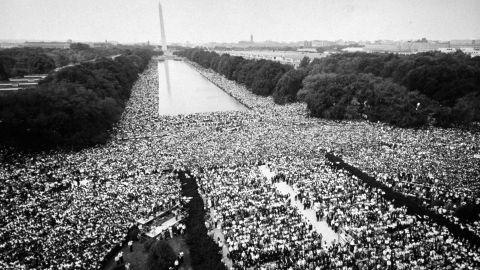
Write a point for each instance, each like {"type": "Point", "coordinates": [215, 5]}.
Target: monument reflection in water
{"type": "Point", "coordinates": [182, 90]}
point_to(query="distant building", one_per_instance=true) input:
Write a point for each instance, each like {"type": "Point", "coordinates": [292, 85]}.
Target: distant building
{"type": "Point", "coordinates": [382, 47]}
{"type": "Point", "coordinates": [322, 43]}
{"type": "Point", "coordinates": [306, 50]}
{"type": "Point", "coordinates": [101, 44]}
{"type": "Point", "coordinates": [8, 87]}
{"type": "Point", "coordinates": [423, 40]}
{"type": "Point", "coordinates": [422, 46]}
{"type": "Point", "coordinates": [473, 52]}
{"type": "Point", "coordinates": [251, 38]}
{"type": "Point", "coordinates": [465, 44]}
{"type": "Point", "coordinates": [52, 45]}
{"type": "Point", "coordinates": [307, 44]}
{"type": "Point", "coordinates": [459, 42]}
{"type": "Point", "coordinates": [447, 50]}
{"type": "Point", "coordinates": [405, 47]}
{"type": "Point", "coordinates": [15, 84]}
{"type": "Point", "coordinates": [6, 45]}
{"type": "Point", "coordinates": [353, 49]}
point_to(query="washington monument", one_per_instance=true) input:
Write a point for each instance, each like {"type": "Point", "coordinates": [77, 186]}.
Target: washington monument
{"type": "Point", "coordinates": [165, 63]}
{"type": "Point", "coordinates": [162, 29]}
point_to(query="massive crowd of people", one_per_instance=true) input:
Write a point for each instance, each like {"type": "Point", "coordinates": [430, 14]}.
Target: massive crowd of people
{"type": "Point", "coordinates": [439, 167]}
{"type": "Point", "coordinates": [91, 197]}
{"type": "Point", "coordinates": [263, 231]}
{"type": "Point", "coordinates": [68, 210]}
{"type": "Point", "coordinates": [259, 226]}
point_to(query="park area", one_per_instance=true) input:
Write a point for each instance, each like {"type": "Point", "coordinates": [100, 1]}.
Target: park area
{"type": "Point", "coordinates": [268, 187]}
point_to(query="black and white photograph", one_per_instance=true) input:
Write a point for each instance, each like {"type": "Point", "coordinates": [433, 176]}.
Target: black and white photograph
{"type": "Point", "coordinates": [239, 134]}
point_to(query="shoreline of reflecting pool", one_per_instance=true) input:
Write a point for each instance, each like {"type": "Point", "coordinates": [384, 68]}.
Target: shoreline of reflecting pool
{"type": "Point", "coordinates": [182, 90]}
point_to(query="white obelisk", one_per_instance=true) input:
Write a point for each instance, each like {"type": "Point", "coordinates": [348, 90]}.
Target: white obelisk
{"type": "Point", "coordinates": [165, 62]}
{"type": "Point", "coordinates": [162, 29]}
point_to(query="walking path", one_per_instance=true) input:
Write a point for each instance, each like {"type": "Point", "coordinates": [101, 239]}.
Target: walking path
{"type": "Point", "coordinates": [216, 233]}
{"type": "Point", "coordinates": [321, 226]}
{"type": "Point", "coordinates": [219, 238]}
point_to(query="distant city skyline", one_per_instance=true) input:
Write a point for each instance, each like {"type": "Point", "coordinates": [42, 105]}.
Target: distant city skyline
{"type": "Point", "coordinates": [229, 21]}
{"type": "Point", "coordinates": [296, 43]}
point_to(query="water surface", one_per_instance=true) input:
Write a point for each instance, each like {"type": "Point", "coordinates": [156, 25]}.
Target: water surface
{"type": "Point", "coordinates": [182, 90]}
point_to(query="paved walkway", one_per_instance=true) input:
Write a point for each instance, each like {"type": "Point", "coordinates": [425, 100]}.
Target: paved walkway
{"type": "Point", "coordinates": [216, 233]}
{"type": "Point", "coordinates": [328, 235]}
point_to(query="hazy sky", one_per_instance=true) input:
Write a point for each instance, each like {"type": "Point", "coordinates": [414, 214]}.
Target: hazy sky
{"type": "Point", "coordinates": [234, 20]}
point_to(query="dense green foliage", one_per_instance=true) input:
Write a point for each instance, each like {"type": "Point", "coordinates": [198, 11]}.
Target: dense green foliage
{"type": "Point", "coordinates": [356, 96]}
{"type": "Point", "coordinates": [407, 91]}
{"type": "Point", "coordinates": [160, 255]}
{"type": "Point", "coordinates": [75, 106]}
{"type": "Point", "coordinates": [288, 86]}
{"type": "Point", "coordinates": [205, 253]}
{"type": "Point", "coordinates": [261, 76]}
{"type": "Point", "coordinates": [79, 46]}
{"type": "Point", "coordinates": [442, 77]}
{"type": "Point", "coordinates": [16, 62]}
{"type": "Point", "coordinates": [446, 87]}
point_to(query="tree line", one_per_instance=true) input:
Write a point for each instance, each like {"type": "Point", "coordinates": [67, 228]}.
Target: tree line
{"type": "Point", "coordinates": [404, 90]}
{"type": "Point", "coordinates": [17, 62]}
{"type": "Point", "coordinates": [74, 107]}
{"type": "Point", "coordinates": [261, 76]}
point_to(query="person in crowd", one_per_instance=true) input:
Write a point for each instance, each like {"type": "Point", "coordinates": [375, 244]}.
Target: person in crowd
{"type": "Point", "coordinates": [69, 210]}
{"type": "Point", "coordinates": [130, 245]}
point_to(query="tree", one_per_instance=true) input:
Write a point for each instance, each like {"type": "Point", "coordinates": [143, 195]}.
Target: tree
{"type": "Point", "coordinates": [384, 87]}
{"type": "Point", "coordinates": [441, 77]}
{"type": "Point", "coordinates": [305, 61]}
{"type": "Point", "coordinates": [288, 86]}
{"type": "Point", "coordinates": [160, 256]}
{"type": "Point", "coordinates": [74, 107]}
{"type": "Point", "coordinates": [6, 65]}
{"type": "Point", "coordinates": [79, 46]}
{"type": "Point", "coordinates": [467, 109]}
{"type": "Point", "coordinates": [41, 64]}
{"type": "Point", "coordinates": [340, 97]}
{"type": "Point", "coordinates": [267, 76]}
